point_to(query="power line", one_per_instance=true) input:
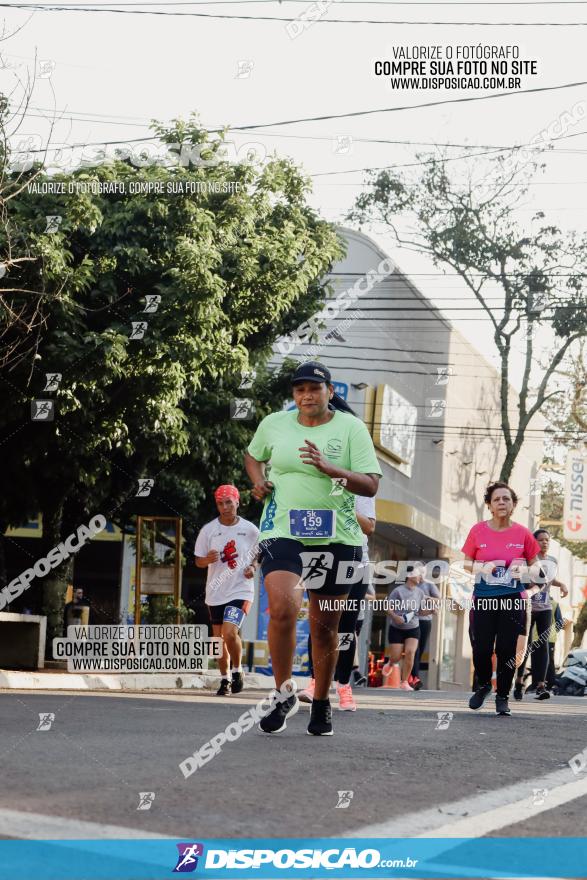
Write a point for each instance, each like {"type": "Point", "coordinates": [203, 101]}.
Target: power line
{"type": "Point", "coordinates": [431, 161]}
{"type": "Point", "coordinates": [399, 275]}
{"type": "Point", "coordinates": [377, 21]}
{"type": "Point", "coordinates": [119, 120]}
{"type": "Point", "coordinates": [351, 3]}
{"type": "Point", "coordinates": [357, 113]}
{"type": "Point", "coordinates": [301, 137]}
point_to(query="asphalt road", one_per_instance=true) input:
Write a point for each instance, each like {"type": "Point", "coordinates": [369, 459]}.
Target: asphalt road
{"type": "Point", "coordinates": [102, 751]}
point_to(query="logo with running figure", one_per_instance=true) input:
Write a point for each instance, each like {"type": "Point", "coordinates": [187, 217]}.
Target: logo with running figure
{"type": "Point", "coordinates": [187, 860]}
{"type": "Point", "coordinates": [338, 484]}
{"type": "Point", "coordinates": [316, 567]}
{"type": "Point", "coordinates": [344, 800]}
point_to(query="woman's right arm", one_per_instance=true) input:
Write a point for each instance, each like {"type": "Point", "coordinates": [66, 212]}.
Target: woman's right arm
{"type": "Point", "coordinates": [256, 473]}
{"type": "Point", "coordinates": [468, 564]}
{"type": "Point", "coordinates": [205, 561]}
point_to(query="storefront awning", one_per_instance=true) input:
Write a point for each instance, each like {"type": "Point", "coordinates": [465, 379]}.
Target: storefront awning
{"type": "Point", "coordinates": [396, 513]}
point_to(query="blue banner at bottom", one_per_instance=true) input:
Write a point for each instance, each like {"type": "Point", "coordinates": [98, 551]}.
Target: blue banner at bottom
{"type": "Point", "coordinates": [440, 858]}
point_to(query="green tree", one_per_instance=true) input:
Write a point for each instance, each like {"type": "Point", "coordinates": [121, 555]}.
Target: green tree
{"type": "Point", "coordinates": [467, 224]}
{"type": "Point", "coordinates": [551, 514]}
{"type": "Point", "coordinates": [234, 253]}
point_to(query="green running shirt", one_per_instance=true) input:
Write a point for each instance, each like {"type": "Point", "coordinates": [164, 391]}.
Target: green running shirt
{"type": "Point", "coordinates": [344, 440]}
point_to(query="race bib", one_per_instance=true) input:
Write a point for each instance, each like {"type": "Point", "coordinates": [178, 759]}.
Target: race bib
{"type": "Point", "coordinates": [499, 576]}
{"type": "Point", "coordinates": [235, 615]}
{"type": "Point", "coordinates": [312, 523]}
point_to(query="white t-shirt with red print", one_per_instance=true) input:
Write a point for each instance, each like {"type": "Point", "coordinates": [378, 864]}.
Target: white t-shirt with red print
{"type": "Point", "coordinates": [238, 548]}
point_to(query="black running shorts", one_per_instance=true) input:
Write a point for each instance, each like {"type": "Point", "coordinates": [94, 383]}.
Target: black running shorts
{"type": "Point", "coordinates": [218, 613]}
{"type": "Point", "coordinates": [397, 636]}
{"type": "Point", "coordinates": [327, 569]}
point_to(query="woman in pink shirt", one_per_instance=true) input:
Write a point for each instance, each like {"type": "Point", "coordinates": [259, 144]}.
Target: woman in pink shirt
{"type": "Point", "coordinates": [500, 552]}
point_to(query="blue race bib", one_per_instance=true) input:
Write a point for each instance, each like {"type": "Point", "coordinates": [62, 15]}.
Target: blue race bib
{"type": "Point", "coordinates": [312, 523]}
{"type": "Point", "coordinates": [235, 615]}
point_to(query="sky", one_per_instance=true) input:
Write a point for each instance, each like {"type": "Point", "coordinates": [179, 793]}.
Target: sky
{"type": "Point", "coordinates": [110, 74]}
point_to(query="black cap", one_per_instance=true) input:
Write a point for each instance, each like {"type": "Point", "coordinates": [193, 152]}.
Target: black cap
{"type": "Point", "coordinates": [311, 371]}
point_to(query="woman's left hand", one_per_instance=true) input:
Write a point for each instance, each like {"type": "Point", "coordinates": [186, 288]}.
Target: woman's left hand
{"type": "Point", "coordinates": [312, 455]}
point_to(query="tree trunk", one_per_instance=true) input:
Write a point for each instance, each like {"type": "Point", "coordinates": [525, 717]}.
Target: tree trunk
{"type": "Point", "coordinates": [54, 589]}
{"type": "Point", "coordinates": [508, 463]}
{"type": "Point", "coordinates": [54, 585]}
{"type": "Point", "coordinates": [3, 572]}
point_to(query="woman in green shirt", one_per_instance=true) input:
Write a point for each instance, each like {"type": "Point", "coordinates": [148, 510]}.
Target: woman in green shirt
{"type": "Point", "coordinates": [320, 457]}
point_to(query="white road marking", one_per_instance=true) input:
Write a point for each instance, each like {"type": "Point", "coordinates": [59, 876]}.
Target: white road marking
{"type": "Point", "coordinates": [483, 813]}
{"type": "Point", "coordinates": [478, 816]}
{"type": "Point", "coordinates": [511, 814]}
{"type": "Point", "coordinates": [23, 825]}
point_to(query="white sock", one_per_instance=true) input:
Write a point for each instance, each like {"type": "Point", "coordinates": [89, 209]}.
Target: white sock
{"type": "Point", "coordinates": [237, 669]}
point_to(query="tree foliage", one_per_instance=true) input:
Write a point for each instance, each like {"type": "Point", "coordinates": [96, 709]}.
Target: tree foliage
{"type": "Point", "coordinates": [236, 263]}
{"type": "Point", "coordinates": [468, 224]}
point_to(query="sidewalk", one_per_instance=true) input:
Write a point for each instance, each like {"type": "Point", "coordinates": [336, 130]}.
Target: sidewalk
{"type": "Point", "coordinates": [60, 680]}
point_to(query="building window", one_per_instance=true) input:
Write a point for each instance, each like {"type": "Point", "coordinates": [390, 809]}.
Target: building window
{"type": "Point", "coordinates": [394, 429]}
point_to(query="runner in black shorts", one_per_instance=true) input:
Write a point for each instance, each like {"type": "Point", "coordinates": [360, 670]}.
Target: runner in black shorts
{"type": "Point", "coordinates": [347, 626]}
{"type": "Point", "coordinates": [405, 602]}
{"type": "Point", "coordinates": [320, 455]}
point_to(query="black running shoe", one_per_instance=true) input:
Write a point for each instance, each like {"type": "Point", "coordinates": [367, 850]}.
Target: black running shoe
{"type": "Point", "coordinates": [224, 689]}
{"type": "Point", "coordinates": [274, 722]}
{"type": "Point", "coordinates": [416, 683]}
{"type": "Point", "coordinates": [238, 682]}
{"type": "Point", "coordinates": [321, 719]}
{"type": "Point", "coordinates": [502, 706]}
{"type": "Point", "coordinates": [518, 692]}
{"type": "Point", "coordinates": [542, 693]}
{"type": "Point", "coordinates": [479, 696]}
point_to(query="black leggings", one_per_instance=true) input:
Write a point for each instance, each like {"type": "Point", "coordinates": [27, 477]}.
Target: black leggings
{"type": "Point", "coordinates": [348, 624]}
{"type": "Point", "coordinates": [495, 625]}
{"type": "Point", "coordinates": [425, 627]}
{"type": "Point", "coordinates": [551, 672]}
{"type": "Point", "coordinates": [539, 647]}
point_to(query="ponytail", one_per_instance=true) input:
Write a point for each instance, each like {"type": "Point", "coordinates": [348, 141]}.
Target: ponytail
{"type": "Point", "coordinates": [337, 403]}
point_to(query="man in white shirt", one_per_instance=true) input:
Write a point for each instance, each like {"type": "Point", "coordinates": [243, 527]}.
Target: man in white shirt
{"type": "Point", "coordinates": [228, 547]}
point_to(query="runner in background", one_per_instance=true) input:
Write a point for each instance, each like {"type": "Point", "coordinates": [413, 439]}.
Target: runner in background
{"type": "Point", "coordinates": [500, 616]}
{"type": "Point", "coordinates": [228, 547]}
{"type": "Point", "coordinates": [321, 456]}
{"type": "Point", "coordinates": [558, 623]}
{"type": "Point", "coordinates": [541, 620]}
{"type": "Point", "coordinates": [431, 591]}
{"type": "Point", "coordinates": [360, 680]}
{"type": "Point", "coordinates": [365, 513]}
{"type": "Point", "coordinates": [405, 602]}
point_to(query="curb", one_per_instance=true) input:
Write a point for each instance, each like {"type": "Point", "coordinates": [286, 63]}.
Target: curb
{"type": "Point", "coordinates": [68, 681]}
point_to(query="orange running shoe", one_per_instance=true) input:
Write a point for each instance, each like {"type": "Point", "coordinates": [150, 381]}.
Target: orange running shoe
{"type": "Point", "coordinates": [307, 695]}
{"type": "Point", "coordinates": [346, 702]}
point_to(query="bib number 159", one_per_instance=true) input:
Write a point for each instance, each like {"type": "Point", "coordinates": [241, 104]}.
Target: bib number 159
{"type": "Point", "coordinates": [312, 523]}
